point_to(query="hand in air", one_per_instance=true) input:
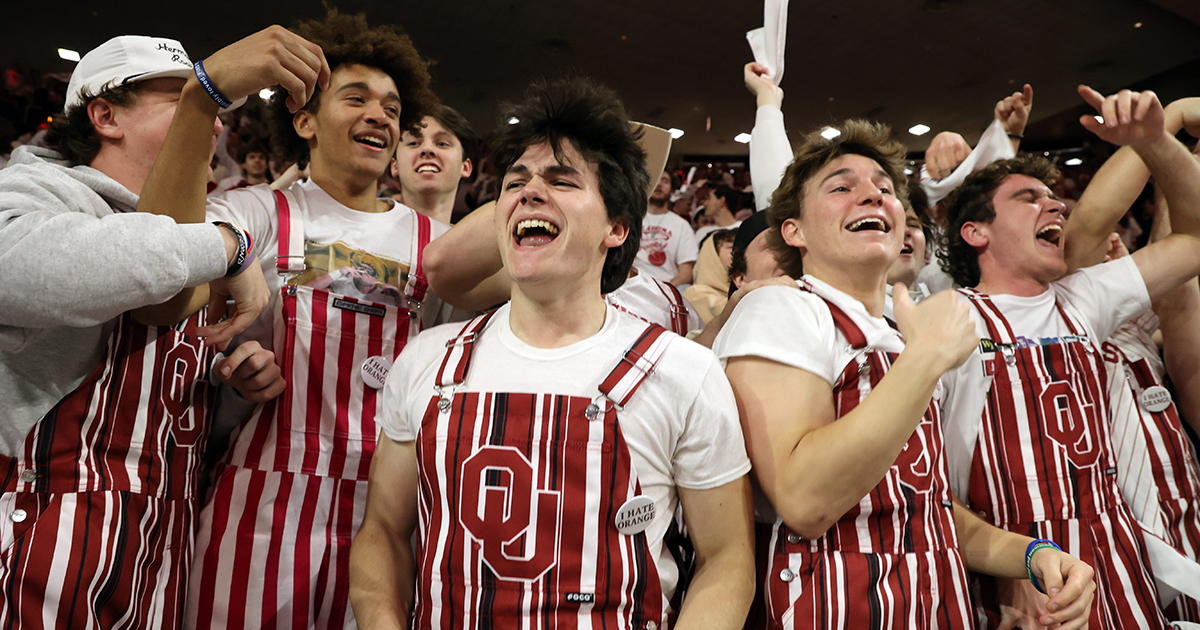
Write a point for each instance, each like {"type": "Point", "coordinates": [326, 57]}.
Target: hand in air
{"type": "Point", "coordinates": [272, 56]}
{"type": "Point", "coordinates": [940, 327]}
{"type": "Point", "coordinates": [761, 86]}
{"type": "Point", "coordinates": [946, 151]}
{"type": "Point", "coordinates": [1133, 118]}
{"type": "Point", "coordinates": [1013, 111]}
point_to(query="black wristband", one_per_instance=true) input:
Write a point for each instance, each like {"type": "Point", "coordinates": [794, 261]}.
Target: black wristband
{"type": "Point", "coordinates": [243, 251]}
{"type": "Point", "coordinates": [1016, 136]}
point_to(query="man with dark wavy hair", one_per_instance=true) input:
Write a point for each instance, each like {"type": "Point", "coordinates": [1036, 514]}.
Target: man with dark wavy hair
{"type": "Point", "coordinates": [1028, 418]}
{"type": "Point", "coordinates": [547, 444]}
{"type": "Point", "coordinates": [345, 270]}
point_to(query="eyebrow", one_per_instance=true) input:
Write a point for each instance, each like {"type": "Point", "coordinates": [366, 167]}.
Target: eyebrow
{"type": "Point", "coordinates": [845, 171]}
{"type": "Point", "coordinates": [1037, 193]}
{"type": "Point", "coordinates": [360, 85]}
{"type": "Point", "coordinates": [556, 169]}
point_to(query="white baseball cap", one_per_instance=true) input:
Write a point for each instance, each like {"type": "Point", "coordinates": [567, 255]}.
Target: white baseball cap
{"type": "Point", "coordinates": [126, 59]}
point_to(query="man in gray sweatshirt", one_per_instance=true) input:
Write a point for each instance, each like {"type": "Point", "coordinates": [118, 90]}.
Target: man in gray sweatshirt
{"type": "Point", "coordinates": [104, 412]}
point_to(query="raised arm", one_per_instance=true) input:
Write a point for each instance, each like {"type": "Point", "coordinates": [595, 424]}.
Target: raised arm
{"type": "Point", "coordinates": [382, 567]}
{"type": "Point", "coordinates": [1138, 120]}
{"type": "Point", "coordinates": [1114, 189]}
{"type": "Point", "coordinates": [814, 469]}
{"type": "Point", "coordinates": [770, 150]}
{"type": "Point", "coordinates": [464, 267]}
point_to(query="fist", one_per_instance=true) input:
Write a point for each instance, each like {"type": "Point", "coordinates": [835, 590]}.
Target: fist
{"type": "Point", "coordinates": [940, 327]}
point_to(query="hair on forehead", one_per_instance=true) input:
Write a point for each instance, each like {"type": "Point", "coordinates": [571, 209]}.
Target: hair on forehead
{"type": "Point", "coordinates": [855, 137]}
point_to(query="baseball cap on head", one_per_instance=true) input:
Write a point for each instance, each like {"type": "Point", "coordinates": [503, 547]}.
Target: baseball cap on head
{"type": "Point", "coordinates": [126, 59]}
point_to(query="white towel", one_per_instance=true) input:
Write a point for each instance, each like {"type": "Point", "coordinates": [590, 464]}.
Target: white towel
{"type": "Point", "coordinates": [993, 145]}
{"type": "Point", "coordinates": [767, 42]}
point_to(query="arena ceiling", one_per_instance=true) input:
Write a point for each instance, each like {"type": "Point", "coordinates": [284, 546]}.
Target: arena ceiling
{"type": "Point", "coordinates": [677, 63]}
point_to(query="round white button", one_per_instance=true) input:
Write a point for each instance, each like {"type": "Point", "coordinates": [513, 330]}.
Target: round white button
{"type": "Point", "coordinates": [592, 411]}
{"type": "Point", "coordinates": [650, 625]}
{"type": "Point", "coordinates": [374, 371]}
{"type": "Point", "coordinates": [635, 515]}
{"type": "Point", "coordinates": [786, 575]}
{"type": "Point", "coordinates": [793, 537]}
{"type": "Point", "coordinates": [1155, 399]}
{"type": "Point", "coordinates": [29, 475]}
{"type": "Point", "coordinates": [18, 516]}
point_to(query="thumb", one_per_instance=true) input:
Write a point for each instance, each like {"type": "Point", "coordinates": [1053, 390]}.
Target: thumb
{"type": "Point", "coordinates": [1091, 124]}
{"type": "Point", "coordinates": [1027, 92]}
{"type": "Point", "coordinates": [1052, 577]}
{"type": "Point", "coordinates": [901, 302]}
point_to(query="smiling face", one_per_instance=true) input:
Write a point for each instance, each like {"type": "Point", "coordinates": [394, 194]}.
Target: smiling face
{"type": "Point", "coordinates": [355, 129]}
{"type": "Point", "coordinates": [851, 218]}
{"type": "Point", "coordinates": [912, 254]}
{"type": "Point", "coordinates": [1024, 241]}
{"type": "Point", "coordinates": [430, 159]}
{"type": "Point", "coordinates": [551, 222]}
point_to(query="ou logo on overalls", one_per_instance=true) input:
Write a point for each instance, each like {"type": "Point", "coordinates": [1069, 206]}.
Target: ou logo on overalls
{"type": "Point", "coordinates": [499, 513]}
{"type": "Point", "coordinates": [1070, 423]}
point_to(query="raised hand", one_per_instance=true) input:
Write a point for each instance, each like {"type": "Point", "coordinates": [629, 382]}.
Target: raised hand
{"type": "Point", "coordinates": [250, 295]}
{"type": "Point", "coordinates": [940, 327]}
{"type": "Point", "coordinates": [946, 151]}
{"type": "Point", "coordinates": [1013, 111]}
{"type": "Point", "coordinates": [763, 88]}
{"type": "Point", "coordinates": [272, 56]}
{"type": "Point", "coordinates": [252, 371]}
{"type": "Point", "coordinates": [1133, 118]}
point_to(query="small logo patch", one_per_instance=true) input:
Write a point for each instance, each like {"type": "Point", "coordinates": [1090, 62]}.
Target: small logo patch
{"type": "Point", "coordinates": [366, 309]}
{"type": "Point", "coordinates": [581, 598]}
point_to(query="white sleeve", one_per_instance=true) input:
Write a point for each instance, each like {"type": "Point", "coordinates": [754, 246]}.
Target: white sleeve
{"type": "Point", "coordinates": [395, 411]}
{"type": "Point", "coordinates": [784, 325]}
{"type": "Point", "coordinates": [688, 250]}
{"type": "Point", "coordinates": [252, 209]}
{"type": "Point", "coordinates": [1107, 295]}
{"type": "Point", "coordinates": [711, 451]}
{"type": "Point", "coordinates": [770, 154]}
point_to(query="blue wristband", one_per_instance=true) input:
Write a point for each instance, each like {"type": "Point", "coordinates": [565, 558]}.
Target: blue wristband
{"type": "Point", "coordinates": [1033, 547]}
{"type": "Point", "coordinates": [212, 90]}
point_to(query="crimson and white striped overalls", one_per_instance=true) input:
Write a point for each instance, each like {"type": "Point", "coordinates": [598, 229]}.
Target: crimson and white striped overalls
{"type": "Point", "coordinates": [1173, 465]}
{"type": "Point", "coordinates": [1043, 463]}
{"type": "Point", "coordinates": [677, 307]}
{"type": "Point", "coordinates": [274, 541]}
{"type": "Point", "coordinates": [892, 561]}
{"type": "Point", "coordinates": [518, 499]}
{"type": "Point", "coordinates": [99, 507]}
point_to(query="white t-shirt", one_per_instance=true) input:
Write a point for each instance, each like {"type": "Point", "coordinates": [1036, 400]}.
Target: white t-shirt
{"type": "Point", "coordinates": [360, 254]}
{"type": "Point", "coordinates": [796, 328]}
{"type": "Point", "coordinates": [667, 243]}
{"type": "Point", "coordinates": [642, 296]}
{"type": "Point", "coordinates": [1103, 297]}
{"type": "Point", "coordinates": [681, 425]}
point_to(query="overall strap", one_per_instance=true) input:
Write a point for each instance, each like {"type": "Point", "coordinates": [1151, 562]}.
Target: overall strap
{"type": "Point", "coordinates": [853, 334]}
{"type": "Point", "coordinates": [997, 325]}
{"type": "Point", "coordinates": [635, 365]}
{"type": "Point", "coordinates": [679, 311]}
{"type": "Point", "coordinates": [416, 286]}
{"type": "Point", "coordinates": [459, 350]}
{"type": "Point", "coordinates": [290, 258]}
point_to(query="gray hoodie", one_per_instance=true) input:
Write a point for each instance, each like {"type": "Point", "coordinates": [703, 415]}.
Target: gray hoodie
{"type": "Point", "coordinates": [74, 254]}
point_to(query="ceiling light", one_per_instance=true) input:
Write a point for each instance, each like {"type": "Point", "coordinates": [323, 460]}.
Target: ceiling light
{"type": "Point", "coordinates": [514, 120]}
{"type": "Point", "coordinates": [1099, 119]}
{"type": "Point", "coordinates": [918, 130]}
{"type": "Point", "coordinates": [1137, 25]}
{"type": "Point", "coordinates": [908, 171]}
{"type": "Point", "coordinates": [69, 55]}
{"type": "Point", "coordinates": [675, 133]}
{"type": "Point", "coordinates": [1073, 162]}
{"type": "Point", "coordinates": [830, 133]}
{"type": "Point", "coordinates": [742, 137]}
{"type": "Point", "coordinates": [266, 94]}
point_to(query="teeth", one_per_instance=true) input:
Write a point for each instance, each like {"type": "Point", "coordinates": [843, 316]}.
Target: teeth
{"type": "Point", "coordinates": [536, 223]}
{"type": "Point", "coordinates": [1050, 232]}
{"type": "Point", "coordinates": [859, 224]}
{"type": "Point", "coordinates": [372, 140]}
{"type": "Point", "coordinates": [429, 168]}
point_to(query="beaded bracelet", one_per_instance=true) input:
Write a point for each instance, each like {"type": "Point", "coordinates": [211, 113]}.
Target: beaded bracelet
{"type": "Point", "coordinates": [1033, 547]}
{"type": "Point", "coordinates": [212, 90]}
{"type": "Point", "coordinates": [245, 252]}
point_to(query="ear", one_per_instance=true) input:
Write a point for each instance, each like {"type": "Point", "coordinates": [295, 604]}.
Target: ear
{"type": "Point", "coordinates": [467, 168]}
{"type": "Point", "coordinates": [305, 124]}
{"type": "Point", "coordinates": [394, 168]}
{"type": "Point", "coordinates": [792, 234]}
{"type": "Point", "coordinates": [975, 234]}
{"type": "Point", "coordinates": [104, 118]}
{"type": "Point", "coordinates": [738, 279]}
{"type": "Point", "coordinates": [618, 231]}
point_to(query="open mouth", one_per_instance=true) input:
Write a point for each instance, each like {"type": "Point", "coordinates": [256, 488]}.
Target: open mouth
{"type": "Point", "coordinates": [907, 249]}
{"type": "Point", "coordinates": [1051, 234]}
{"type": "Point", "coordinates": [373, 140]}
{"type": "Point", "coordinates": [535, 232]}
{"type": "Point", "coordinates": [874, 224]}
{"type": "Point", "coordinates": [429, 168]}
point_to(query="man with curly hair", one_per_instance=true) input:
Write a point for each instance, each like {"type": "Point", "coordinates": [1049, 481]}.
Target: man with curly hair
{"type": "Point", "coordinates": [1028, 439]}
{"type": "Point", "coordinates": [540, 452]}
{"type": "Point", "coordinates": [345, 269]}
